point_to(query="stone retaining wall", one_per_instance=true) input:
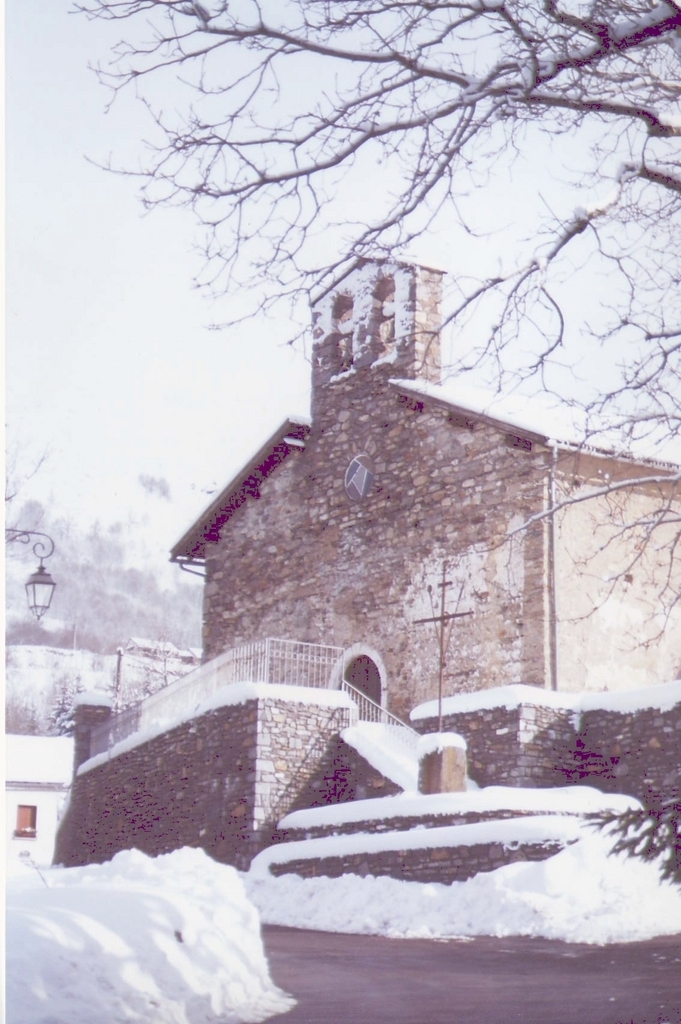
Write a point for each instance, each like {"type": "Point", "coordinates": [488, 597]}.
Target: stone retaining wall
{"type": "Point", "coordinates": [443, 864]}
{"type": "Point", "coordinates": [535, 745]}
{"type": "Point", "coordinates": [220, 782]}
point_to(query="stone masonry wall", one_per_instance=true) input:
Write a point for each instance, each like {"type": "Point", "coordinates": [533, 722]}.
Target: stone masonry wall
{"type": "Point", "coordinates": [534, 745]}
{"type": "Point", "coordinates": [443, 864]}
{"type": "Point", "coordinates": [219, 782]}
{"type": "Point", "coordinates": [302, 561]}
{"type": "Point", "coordinates": [629, 753]}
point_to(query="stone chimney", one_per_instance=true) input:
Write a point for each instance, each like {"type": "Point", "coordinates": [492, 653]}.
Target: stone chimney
{"type": "Point", "coordinates": [382, 314]}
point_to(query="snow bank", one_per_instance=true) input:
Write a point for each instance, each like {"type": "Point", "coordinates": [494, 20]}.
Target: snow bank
{"type": "Point", "coordinates": [561, 800]}
{"type": "Point", "coordinates": [173, 940]}
{"type": "Point", "coordinates": [382, 746]}
{"type": "Point", "coordinates": [663, 697]}
{"type": "Point", "coordinates": [579, 895]}
{"type": "Point", "coordinates": [510, 832]}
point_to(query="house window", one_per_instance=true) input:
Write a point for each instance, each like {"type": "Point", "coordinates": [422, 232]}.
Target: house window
{"type": "Point", "coordinates": [27, 816]}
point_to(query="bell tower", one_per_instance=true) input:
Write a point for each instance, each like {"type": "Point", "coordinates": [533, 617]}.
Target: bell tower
{"type": "Point", "coordinates": [383, 314]}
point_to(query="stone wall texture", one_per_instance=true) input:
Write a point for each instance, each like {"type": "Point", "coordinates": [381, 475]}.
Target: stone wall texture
{"type": "Point", "coordinates": [299, 559]}
{"type": "Point", "coordinates": [534, 745]}
{"type": "Point", "coordinates": [220, 782]}
{"type": "Point", "coordinates": [443, 864]}
{"type": "Point", "coordinates": [304, 562]}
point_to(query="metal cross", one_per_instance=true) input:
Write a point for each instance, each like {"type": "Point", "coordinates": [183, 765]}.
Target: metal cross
{"type": "Point", "coordinates": [439, 621]}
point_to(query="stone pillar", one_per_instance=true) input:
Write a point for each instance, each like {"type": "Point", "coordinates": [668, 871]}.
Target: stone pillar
{"type": "Point", "coordinates": [442, 763]}
{"type": "Point", "coordinates": [91, 709]}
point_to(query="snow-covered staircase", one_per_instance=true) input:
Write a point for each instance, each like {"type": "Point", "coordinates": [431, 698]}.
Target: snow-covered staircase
{"type": "Point", "coordinates": [441, 837]}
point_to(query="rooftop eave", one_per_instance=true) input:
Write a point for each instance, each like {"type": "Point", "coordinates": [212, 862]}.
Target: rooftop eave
{"type": "Point", "coordinates": [416, 392]}
{"type": "Point", "coordinates": [290, 436]}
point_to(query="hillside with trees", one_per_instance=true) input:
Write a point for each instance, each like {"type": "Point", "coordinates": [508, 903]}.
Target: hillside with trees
{"type": "Point", "coordinates": [104, 595]}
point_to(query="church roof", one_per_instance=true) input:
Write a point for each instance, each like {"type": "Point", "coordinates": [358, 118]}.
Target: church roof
{"type": "Point", "coordinates": [534, 419]}
{"type": "Point", "coordinates": [290, 436]}
{"type": "Point", "coordinates": [539, 420]}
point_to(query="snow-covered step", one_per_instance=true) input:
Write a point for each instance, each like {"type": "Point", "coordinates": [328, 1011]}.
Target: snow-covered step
{"type": "Point", "coordinates": [391, 750]}
{"type": "Point", "coordinates": [417, 811]}
{"type": "Point", "coordinates": [443, 837]}
{"type": "Point", "coordinates": [441, 854]}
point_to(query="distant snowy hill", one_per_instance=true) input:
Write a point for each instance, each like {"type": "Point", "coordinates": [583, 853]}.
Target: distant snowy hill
{"type": "Point", "coordinates": [42, 681]}
{"type": "Point", "coordinates": [107, 590]}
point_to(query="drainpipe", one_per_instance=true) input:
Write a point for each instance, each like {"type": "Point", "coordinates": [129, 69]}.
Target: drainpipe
{"type": "Point", "coordinates": [553, 616]}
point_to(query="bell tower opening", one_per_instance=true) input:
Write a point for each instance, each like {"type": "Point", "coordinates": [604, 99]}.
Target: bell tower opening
{"type": "Point", "coordinates": [363, 674]}
{"type": "Point", "coordinates": [382, 312]}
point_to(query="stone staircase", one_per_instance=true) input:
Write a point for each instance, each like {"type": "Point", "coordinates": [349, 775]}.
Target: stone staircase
{"type": "Point", "coordinates": [442, 837]}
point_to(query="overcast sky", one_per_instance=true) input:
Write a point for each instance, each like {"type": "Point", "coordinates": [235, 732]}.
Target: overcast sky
{"type": "Point", "coordinates": [110, 365]}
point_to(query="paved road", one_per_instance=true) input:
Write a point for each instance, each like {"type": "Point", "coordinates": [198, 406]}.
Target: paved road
{"type": "Point", "coordinates": [364, 979]}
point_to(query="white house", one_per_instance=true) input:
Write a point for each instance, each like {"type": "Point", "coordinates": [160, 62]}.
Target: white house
{"type": "Point", "coordinates": [38, 776]}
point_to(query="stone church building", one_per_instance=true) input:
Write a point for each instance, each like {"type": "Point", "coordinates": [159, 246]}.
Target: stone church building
{"type": "Point", "coordinates": [342, 530]}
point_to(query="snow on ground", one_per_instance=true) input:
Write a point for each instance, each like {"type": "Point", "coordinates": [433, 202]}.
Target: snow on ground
{"type": "Point", "coordinates": [173, 940]}
{"type": "Point", "coordinates": [579, 895]}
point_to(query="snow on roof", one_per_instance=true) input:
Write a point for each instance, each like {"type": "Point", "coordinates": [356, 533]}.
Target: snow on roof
{"type": "Point", "coordinates": [537, 829]}
{"type": "Point", "coordinates": [381, 747]}
{"type": "Point", "coordinates": [263, 462]}
{"type": "Point", "coordinates": [157, 646]}
{"type": "Point", "coordinates": [663, 697]}
{"type": "Point", "coordinates": [558, 800]}
{"type": "Point", "coordinates": [544, 419]}
{"type": "Point", "coordinates": [234, 693]}
{"type": "Point", "coordinates": [40, 759]}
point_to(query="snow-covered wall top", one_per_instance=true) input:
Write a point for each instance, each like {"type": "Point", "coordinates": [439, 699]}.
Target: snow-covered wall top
{"type": "Point", "coordinates": [235, 693]}
{"type": "Point", "coordinates": [94, 698]}
{"type": "Point", "coordinates": [663, 697]}
{"type": "Point", "coordinates": [40, 759]}
{"type": "Point", "coordinates": [434, 741]}
{"type": "Point", "coordinates": [537, 829]}
{"type": "Point", "coordinates": [561, 800]}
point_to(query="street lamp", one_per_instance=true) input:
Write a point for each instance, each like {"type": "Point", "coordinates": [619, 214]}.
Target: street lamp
{"type": "Point", "coordinates": [40, 585]}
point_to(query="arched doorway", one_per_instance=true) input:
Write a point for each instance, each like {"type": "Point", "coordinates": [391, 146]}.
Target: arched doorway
{"type": "Point", "coordinates": [363, 674]}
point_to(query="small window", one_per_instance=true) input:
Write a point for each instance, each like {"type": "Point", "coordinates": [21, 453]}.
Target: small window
{"type": "Point", "coordinates": [27, 816]}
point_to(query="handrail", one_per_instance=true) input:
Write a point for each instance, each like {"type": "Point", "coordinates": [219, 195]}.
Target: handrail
{"type": "Point", "coordinates": [370, 711]}
{"type": "Point", "coordinates": [291, 662]}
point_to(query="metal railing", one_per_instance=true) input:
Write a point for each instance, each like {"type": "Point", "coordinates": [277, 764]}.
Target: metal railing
{"type": "Point", "coordinates": [370, 711]}
{"type": "Point", "coordinates": [291, 662]}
